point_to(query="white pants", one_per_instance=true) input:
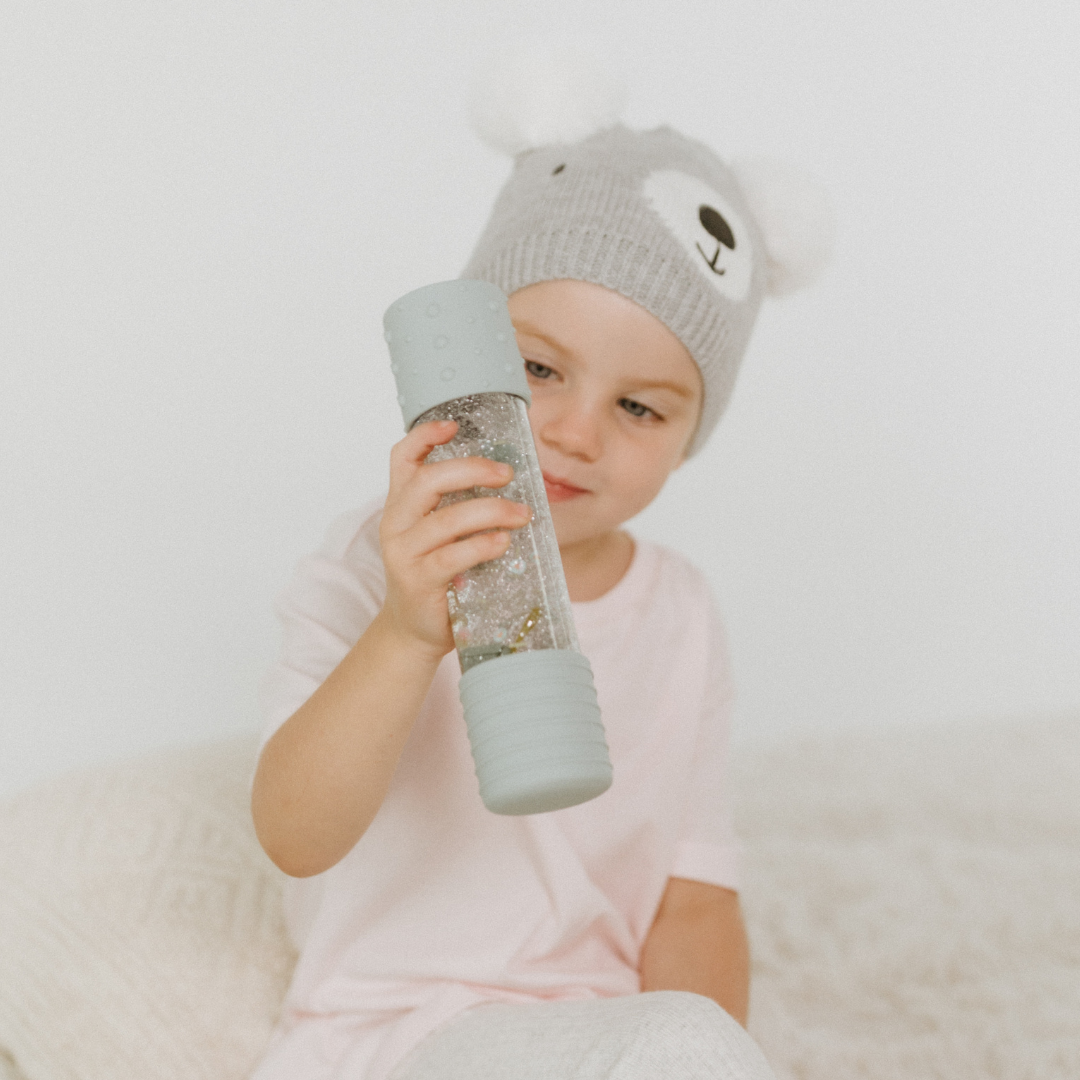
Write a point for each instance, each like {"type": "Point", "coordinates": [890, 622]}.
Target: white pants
{"type": "Point", "coordinates": [661, 1035]}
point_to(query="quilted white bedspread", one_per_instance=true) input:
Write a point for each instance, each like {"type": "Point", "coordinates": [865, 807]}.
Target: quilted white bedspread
{"type": "Point", "coordinates": [913, 903]}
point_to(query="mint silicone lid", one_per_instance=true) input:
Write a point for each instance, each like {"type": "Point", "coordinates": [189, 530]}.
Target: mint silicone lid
{"type": "Point", "coordinates": [535, 731]}
{"type": "Point", "coordinates": [449, 340]}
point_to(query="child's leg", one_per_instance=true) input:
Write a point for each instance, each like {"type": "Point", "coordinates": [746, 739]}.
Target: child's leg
{"type": "Point", "coordinates": [662, 1035]}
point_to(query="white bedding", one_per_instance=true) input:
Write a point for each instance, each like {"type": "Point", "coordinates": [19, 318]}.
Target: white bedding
{"type": "Point", "coordinates": [912, 898]}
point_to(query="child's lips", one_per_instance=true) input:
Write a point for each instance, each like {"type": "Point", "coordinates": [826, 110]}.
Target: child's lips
{"type": "Point", "coordinates": [559, 490]}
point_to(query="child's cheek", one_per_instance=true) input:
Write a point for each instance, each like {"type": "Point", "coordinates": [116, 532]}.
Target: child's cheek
{"type": "Point", "coordinates": [643, 482]}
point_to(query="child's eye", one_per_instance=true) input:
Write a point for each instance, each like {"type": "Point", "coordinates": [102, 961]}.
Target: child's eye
{"type": "Point", "coordinates": [539, 371]}
{"type": "Point", "coordinates": [635, 408]}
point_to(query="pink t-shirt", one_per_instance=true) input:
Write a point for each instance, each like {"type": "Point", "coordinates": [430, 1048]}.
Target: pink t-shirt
{"type": "Point", "coordinates": [441, 904]}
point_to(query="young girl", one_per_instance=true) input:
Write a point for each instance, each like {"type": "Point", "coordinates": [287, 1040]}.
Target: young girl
{"type": "Point", "coordinates": [438, 940]}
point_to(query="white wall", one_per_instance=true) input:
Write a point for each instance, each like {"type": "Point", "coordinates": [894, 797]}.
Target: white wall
{"type": "Point", "coordinates": [205, 208]}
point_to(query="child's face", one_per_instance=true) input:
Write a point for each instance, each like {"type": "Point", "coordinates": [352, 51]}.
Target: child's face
{"type": "Point", "coordinates": [615, 402]}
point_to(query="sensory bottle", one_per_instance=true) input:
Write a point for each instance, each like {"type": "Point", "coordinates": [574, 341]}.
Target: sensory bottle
{"type": "Point", "coordinates": [526, 689]}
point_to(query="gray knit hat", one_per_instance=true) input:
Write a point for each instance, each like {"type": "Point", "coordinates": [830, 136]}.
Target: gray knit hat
{"type": "Point", "coordinates": [652, 215]}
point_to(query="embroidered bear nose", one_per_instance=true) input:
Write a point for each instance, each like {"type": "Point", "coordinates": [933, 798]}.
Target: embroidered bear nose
{"type": "Point", "coordinates": [715, 225]}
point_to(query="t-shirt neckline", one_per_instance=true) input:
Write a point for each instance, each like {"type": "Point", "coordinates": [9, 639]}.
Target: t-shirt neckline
{"type": "Point", "coordinates": [618, 594]}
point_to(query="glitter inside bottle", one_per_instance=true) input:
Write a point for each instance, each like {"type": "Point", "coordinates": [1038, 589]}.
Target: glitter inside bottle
{"type": "Point", "coordinates": [518, 602]}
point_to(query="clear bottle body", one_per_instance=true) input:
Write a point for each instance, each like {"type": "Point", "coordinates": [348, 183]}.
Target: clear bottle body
{"type": "Point", "coordinates": [519, 602]}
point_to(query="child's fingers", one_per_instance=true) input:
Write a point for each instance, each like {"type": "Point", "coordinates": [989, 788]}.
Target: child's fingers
{"type": "Point", "coordinates": [420, 493]}
{"type": "Point", "coordinates": [453, 559]}
{"type": "Point", "coordinates": [408, 454]}
{"type": "Point", "coordinates": [456, 474]}
{"type": "Point", "coordinates": [462, 519]}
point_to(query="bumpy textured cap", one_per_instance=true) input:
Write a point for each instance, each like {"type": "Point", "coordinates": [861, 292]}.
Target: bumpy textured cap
{"type": "Point", "coordinates": [449, 340]}
{"type": "Point", "coordinates": [652, 215]}
{"type": "Point", "coordinates": [534, 725]}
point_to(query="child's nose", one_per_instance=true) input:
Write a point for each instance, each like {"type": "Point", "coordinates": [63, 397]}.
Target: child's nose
{"type": "Point", "coordinates": [574, 431]}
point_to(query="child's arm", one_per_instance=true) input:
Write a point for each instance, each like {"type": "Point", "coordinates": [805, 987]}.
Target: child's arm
{"type": "Point", "coordinates": [324, 774]}
{"type": "Point", "coordinates": [698, 943]}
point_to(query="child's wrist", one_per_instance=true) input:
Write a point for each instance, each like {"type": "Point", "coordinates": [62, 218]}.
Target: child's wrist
{"type": "Point", "coordinates": [402, 643]}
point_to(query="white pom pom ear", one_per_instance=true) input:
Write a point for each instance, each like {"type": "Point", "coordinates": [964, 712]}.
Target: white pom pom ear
{"type": "Point", "coordinates": [796, 220]}
{"type": "Point", "coordinates": [531, 94]}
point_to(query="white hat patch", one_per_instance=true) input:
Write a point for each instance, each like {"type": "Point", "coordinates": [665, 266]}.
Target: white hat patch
{"type": "Point", "coordinates": [707, 226]}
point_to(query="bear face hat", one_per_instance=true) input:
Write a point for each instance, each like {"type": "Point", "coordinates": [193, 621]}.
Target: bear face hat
{"type": "Point", "coordinates": [652, 215]}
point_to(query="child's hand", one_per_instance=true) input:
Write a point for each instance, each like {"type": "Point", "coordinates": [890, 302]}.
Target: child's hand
{"type": "Point", "coordinates": [422, 548]}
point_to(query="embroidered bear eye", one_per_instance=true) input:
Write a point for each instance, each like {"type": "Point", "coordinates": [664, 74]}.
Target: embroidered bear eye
{"type": "Point", "coordinates": [558, 169]}
{"type": "Point", "coordinates": [715, 225]}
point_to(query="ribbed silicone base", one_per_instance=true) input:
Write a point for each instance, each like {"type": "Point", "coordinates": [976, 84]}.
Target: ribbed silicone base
{"type": "Point", "coordinates": [534, 726]}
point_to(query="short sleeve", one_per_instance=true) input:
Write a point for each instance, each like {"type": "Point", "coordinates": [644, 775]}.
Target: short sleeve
{"type": "Point", "coordinates": [708, 848]}
{"type": "Point", "coordinates": [329, 602]}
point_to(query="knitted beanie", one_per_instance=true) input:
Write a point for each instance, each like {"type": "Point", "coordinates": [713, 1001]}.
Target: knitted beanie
{"type": "Point", "coordinates": [659, 218]}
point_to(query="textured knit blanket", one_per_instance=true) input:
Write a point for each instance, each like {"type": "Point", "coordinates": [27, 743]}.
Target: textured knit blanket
{"type": "Point", "coordinates": [912, 900]}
